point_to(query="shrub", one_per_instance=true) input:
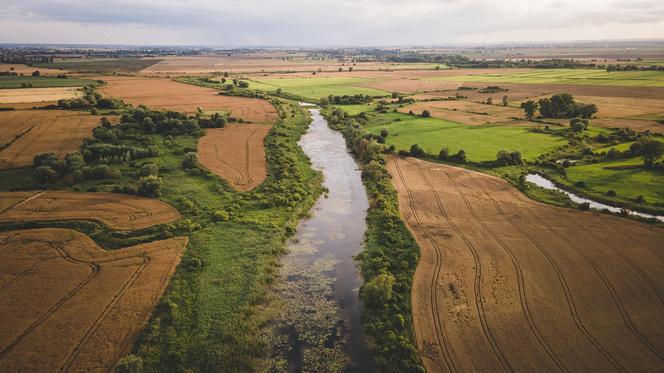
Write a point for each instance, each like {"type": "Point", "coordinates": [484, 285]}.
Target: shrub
{"type": "Point", "coordinates": [221, 215]}
{"type": "Point", "coordinates": [580, 184]}
{"type": "Point", "coordinates": [149, 169]}
{"type": "Point", "coordinates": [45, 159]}
{"type": "Point", "coordinates": [444, 154]}
{"type": "Point", "coordinates": [426, 114]}
{"type": "Point", "coordinates": [190, 161]}
{"type": "Point", "coordinates": [640, 199]}
{"type": "Point", "coordinates": [459, 157]}
{"type": "Point", "coordinates": [149, 186]}
{"type": "Point", "coordinates": [129, 364]}
{"type": "Point", "coordinates": [416, 151]}
{"type": "Point", "coordinates": [377, 291]}
{"type": "Point", "coordinates": [611, 193]}
{"type": "Point", "coordinates": [45, 174]}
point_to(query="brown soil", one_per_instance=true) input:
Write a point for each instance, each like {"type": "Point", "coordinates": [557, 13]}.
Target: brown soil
{"type": "Point", "coordinates": [505, 283]}
{"type": "Point", "coordinates": [13, 96]}
{"type": "Point", "coordinates": [28, 70]}
{"type": "Point", "coordinates": [34, 131]}
{"type": "Point", "coordinates": [236, 153]}
{"type": "Point", "coordinates": [68, 305]}
{"type": "Point", "coordinates": [118, 211]}
{"type": "Point", "coordinates": [466, 112]}
{"type": "Point", "coordinates": [172, 95]}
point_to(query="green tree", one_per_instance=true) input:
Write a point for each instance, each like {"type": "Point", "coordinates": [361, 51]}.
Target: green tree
{"type": "Point", "coordinates": [577, 127]}
{"type": "Point", "coordinates": [530, 107]}
{"type": "Point", "coordinates": [416, 151]}
{"type": "Point", "coordinates": [149, 186]}
{"type": "Point", "coordinates": [36, 73]}
{"type": "Point", "coordinates": [426, 114]}
{"type": "Point", "coordinates": [444, 154]}
{"type": "Point", "coordinates": [377, 291]}
{"type": "Point", "coordinates": [650, 150]}
{"type": "Point", "coordinates": [190, 161]}
{"type": "Point", "coordinates": [45, 174]}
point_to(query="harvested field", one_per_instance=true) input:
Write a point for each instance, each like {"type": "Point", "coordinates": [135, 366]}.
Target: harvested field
{"type": "Point", "coordinates": [235, 153]}
{"type": "Point", "coordinates": [505, 283]}
{"type": "Point", "coordinates": [25, 133]}
{"type": "Point", "coordinates": [28, 70]}
{"type": "Point", "coordinates": [168, 94]}
{"type": "Point", "coordinates": [13, 96]}
{"type": "Point", "coordinates": [69, 305]}
{"type": "Point", "coordinates": [118, 211]}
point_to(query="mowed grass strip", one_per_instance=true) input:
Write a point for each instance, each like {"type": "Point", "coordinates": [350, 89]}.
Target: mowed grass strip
{"type": "Point", "coordinates": [315, 88]}
{"type": "Point", "coordinates": [568, 76]}
{"type": "Point", "coordinates": [41, 82]}
{"type": "Point", "coordinates": [481, 143]}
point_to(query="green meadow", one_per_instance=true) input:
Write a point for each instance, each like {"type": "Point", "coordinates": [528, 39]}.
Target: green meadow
{"type": "Point", "coordinates": [41, 82]}
{"type": "Point", "coordinates": [314, 88]}
{"type": "Point", "coordinates": [481, 143]}
{"type": "Point", "coordinates": [568, 76]}
{"type": "Point", "coordinates": [624, 176]}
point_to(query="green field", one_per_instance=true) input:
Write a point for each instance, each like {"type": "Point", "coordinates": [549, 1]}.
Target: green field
{"type": "Point", "coordinates": [356, 109]}
{"type": "Point", "coordinates": [628, 183]}
{"type": "Point", "coordinates": [102, 65]}
{"type": "Point", "coordinates": [315, 88]}
{"type": "Point", "coordinates": [42, 82]}
{"type": "Point", "coordinates": [568, 76]}
{"type": "Point", "coordinates": [481, 143]}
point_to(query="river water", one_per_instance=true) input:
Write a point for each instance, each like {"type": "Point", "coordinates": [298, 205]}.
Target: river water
{"type": "Point", "coordinates": [320, 328]}
{"type": "Point", "coordinates": [548, 184]}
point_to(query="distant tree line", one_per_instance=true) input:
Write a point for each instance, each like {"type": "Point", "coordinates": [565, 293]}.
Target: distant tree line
{"type": "Point", "coordinates": [560, 105]}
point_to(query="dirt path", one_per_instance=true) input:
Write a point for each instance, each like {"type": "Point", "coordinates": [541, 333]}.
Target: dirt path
{"type": "Point", "coordinates": [236, 153]}
{"type": "Point", "coordinates": [505, 283]}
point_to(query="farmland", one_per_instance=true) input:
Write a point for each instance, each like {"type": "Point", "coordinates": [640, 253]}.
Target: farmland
{"type": "Point", "coordinates": [25, 133]}
{"type": "Point", "coordinates": [315, 88]}
{"type": "Point", "coordinates": [171, 95]}
{"type": "Point", "coordinates": [56, 277]}
{"type": "Point", "coordinates": [28, 95]}
{"type": "Point", "coordinates": [116, 211]}
{"type": "Point", "coordinates": [236, 154]}
{"type": "Point", "coordinates": [570, 76]}
{"type": "Point", "coordinates": [479, 142]}
{"type": "Point", "coordinates": [41, 82]}
{"type": "Point", "coordinates": [122, 65]}
{"type": "Point", "coordinates": [567, 290]}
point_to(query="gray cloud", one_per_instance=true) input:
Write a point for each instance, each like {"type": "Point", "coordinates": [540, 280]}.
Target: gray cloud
{"type": "Point", "coordinates": [326, 22]}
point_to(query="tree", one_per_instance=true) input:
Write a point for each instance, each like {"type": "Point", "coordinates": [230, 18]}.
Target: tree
{"type": "Point", "coordinates": [426, 114]}
{"type": "Point", "coordinates": [459, 157]}
{"type": "Point", "coordinates": [489, 101]}
{"type": "Point", "coordinates": [377, 291]}
{"type": "Point", "coordinates": [650, 150]}
{"type": "Point", "coordinates": [530, 107]}
{"type": "Point", "coordinates": [130, 364]}
{"type": "Point", "coordinates": [577, 127]}
{"type": "Point", "coordinates": [190, 161]}
{"type": "Point", "coordinates": [45, 174]}
{"type": "Point", "coordinates": [36, 73]}
{"type": "Point", "coordinates": [416, 151]}
{"type": "Point", "coordinates": [149, 186]}
{"type": "Point", "coordinates": [243, 84]}
{"type": "Point", "coordinates": [149, 169]}
{"type": "Point", "coordinates": [395, 94]}
{"type": "Point", "coordinates": [384, 132]}
{"type": "Point", "coordinates": [505, 101]}
{"type": "Point", "coordinates": [444, 154]}
{"type": "Point", "coordinates": [45, 159]}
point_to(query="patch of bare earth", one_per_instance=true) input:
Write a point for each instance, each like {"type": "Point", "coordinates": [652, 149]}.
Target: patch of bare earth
{"type": "Point", "coordinates": [506, 283]}
{"type": "Point", "coordinates": [118, 211]}
{"type": "Point", "coordinates": [236, 153]}
{"type": "Point", "coordinates": [68, 305]}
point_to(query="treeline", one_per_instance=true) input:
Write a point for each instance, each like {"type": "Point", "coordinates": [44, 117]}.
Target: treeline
{"type": "Point", "coordinates": [562, 105]}
{"type": "Point", "coordinates": [346, 99]}
{"type": "Point", "coordinates": [389, 258]}
{"type": "Point", "coordinates": [611, 68]}
{"type": "Point", "coordinates": [90, 100]}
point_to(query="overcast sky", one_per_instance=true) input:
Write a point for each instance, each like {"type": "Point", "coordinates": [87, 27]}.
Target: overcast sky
{"type": "Point", "coordinates": [326, 22]}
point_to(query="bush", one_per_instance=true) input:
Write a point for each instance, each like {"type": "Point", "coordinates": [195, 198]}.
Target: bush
{"type": "Point", "coordinates": [444, 154]}
{"type": "Point", "coordinates": [221, 215]}
{"type": "Point", "coordinates": [611, 193]}
{"type": "Point", "coordinates": [149, 186]}
{"type": "Point", "coordinates": [100, 172]}
{"type": "Point", "coordinates": [149, 169]}
{"type": "Point", "coordinates": [45, 174]}
{"type": "Point", "coordinates": [45, 159]}
{"type": "Point", "coordinates": [129, 364]}
{"type": "Point", "coordinates": [459, 157]}
{"type": "Point", "coordinates": [580, 184]}
{"type": "Point", "coordinates": [416, 151]}
{"type": "Point", "coordinates": [426, 114]}
{"type": "Point", "coordinates": [640, 199]}
{"type": "Point", "coordinates": [377, 291]}
{"type": "Point", "coordinates": [190, 161]}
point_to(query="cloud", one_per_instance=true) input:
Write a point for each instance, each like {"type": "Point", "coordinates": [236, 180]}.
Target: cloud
{"type": "Point", "coordinates": [325, 22]}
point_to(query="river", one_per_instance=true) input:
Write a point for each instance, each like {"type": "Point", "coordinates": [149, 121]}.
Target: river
{"type": "Point", "coordinates": [320, 328]}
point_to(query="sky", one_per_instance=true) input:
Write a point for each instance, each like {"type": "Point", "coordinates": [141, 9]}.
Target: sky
{"type": "Point", "coordinates": [311, 23]}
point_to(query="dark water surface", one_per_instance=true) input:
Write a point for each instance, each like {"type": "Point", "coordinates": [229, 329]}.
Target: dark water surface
{"type": "Point", "coordinates": [320, 328]}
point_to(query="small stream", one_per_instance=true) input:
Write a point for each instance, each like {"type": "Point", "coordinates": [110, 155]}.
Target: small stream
{"type": "Point", "coordinates": [548, 184]}
{"type": "Point", "coordinates": [320, 328]}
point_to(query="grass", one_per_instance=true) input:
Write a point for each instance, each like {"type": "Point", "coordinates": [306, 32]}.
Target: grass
{"type": "Point", "coordinates": [627, 183]}
{"type": "Point", "coordinates": [356, 109]}
{"type": "Point", "coordinates": [42, 82]}
{"type": "Point", "coordinates": [314, 88]}
{"type": "Point", "coordinates": [569, 76]}
{"type": "Point", "coordinates": [102, 65]}
{"type": "Point", "coordinates": [481, 143]}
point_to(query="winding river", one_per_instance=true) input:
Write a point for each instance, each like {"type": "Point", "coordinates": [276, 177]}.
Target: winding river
{"type": "Point", "coordinates": [320, 328]}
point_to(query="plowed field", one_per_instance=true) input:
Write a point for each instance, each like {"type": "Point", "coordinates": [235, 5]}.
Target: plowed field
{"type": "Point", "coordinates": [118, 211]}
{"type": "Point", "coordinates": [236, 153]}
{"type": "Point", "coordinates": [68, 305]}
{"type": "Point", "coordinates": [505, 283]}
